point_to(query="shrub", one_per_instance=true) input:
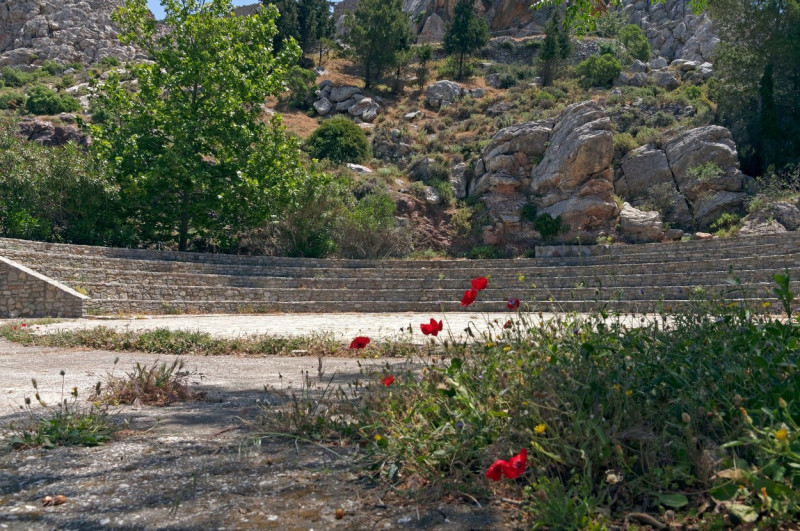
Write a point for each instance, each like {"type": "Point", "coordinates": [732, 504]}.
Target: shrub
{"type": "Point", "coordinates": [369, 229]}
{"type": "Point", "coordinates": [52, 68]}
{"type": "Point", "coordinates": [610, 24]}
{"type": "Point", "coordinates": [661, 119]}
{"type": "Point", "coordinates": [42, 100]}
{"type": "Point", "coordinates": [109, 62]}
{"type": "Point", "coordinates": [339, 140]}
{"type": "Point", "coordinates": [11, 100]}
{"type": "Point", "coordinates": [624, 142]}
{"type": "Point", "coordinates": [449, 69]}
{"type": "Point", "coordinates": [648, 135]}
{"type": "Point", "coordinates": [14, 77]}
{"type": "Point", "coordinates": [635, 42]}
{"type": "Point", "coordinates": [301, 87]}
{"type": "Point", "coordinates": [705, 172]}
{"type": "Point", "coordinates": [599, 71]}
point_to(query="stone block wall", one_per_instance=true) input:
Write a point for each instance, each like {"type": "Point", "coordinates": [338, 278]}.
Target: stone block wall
{"type": "Point", "coordinates": [26, 293]}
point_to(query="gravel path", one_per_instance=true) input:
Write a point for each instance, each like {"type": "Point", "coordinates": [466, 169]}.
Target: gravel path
{"type": "Point", "coordinates": [200, 465]}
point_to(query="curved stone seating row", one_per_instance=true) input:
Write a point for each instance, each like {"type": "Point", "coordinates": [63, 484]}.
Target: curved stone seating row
{"type": "Point", "coordinates": [639, 278]}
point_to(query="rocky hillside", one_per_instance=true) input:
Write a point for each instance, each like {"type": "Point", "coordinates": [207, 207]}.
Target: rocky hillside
{"type": "Point", "coordinates": [673, 31]}
{"type": "Point", "coordinates": [67, 31]}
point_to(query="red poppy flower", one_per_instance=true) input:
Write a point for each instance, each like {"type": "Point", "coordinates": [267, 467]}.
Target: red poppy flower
{"type": "Point", "coordinates": [469, 297]}
{"type": "Point", "coordinates": [512, 303]}
{"type": "Point", "coordinates": [23, 325]}
{"type": "Point", "coordinates": [496, 470]}
{"type": "Point", "coordinates": [479, 283]}
{"type": "Point", "coordinates": [359, 342]}
{"type": "Point", "coordinates": [516, 465]}
{"type": "Point", "coordinates": [508, 324]}
{"type": "Point", "coordinates": [388, 380]}
{"type": "Point", "coordinates": [433, 328]}
{"type": "Point", "coordinates": [512, 469]}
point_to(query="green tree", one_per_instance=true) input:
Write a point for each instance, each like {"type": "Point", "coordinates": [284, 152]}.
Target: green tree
{"type": "Point", "coordinates": [635, 42]}
{"type": "Point", "coordinates": [287, 23]}
{"type": "Point", "coordinates": [316, 25]}
{"type": "Point", "coordinates": [185, 144]}
{"type": "Point", "coordinates": [555, 48]}
{"type": "Point", "coordinates": [339, 140]}
{"type": "Point", "coordinates": [757, 78]}
{"type": "Point", "coordinates": [424, 56]}
{"type": "Point", "coordinates": [465, 34]}
{"type": "Point", "coordinates": [376, 32]}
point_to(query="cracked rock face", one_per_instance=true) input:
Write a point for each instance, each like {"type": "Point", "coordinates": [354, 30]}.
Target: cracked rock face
{"type": "Point", "coordinates": [32, 31]}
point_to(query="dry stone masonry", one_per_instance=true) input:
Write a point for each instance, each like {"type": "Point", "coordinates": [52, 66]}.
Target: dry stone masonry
{"type": "Point", "coordinates": [26, 293]}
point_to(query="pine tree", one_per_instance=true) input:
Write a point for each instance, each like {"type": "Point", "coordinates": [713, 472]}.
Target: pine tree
{"type": "Point", "coordinates": [377, 31]}
{"type": "Point", "coordinates": [555, 48]}
{"type": "Point", "coordinates": [465, 34]}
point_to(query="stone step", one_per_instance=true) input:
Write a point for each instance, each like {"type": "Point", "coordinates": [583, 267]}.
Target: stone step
{"type": "Point", "coordinates": [113, 306]}
{"type": "Point", "coordinates": [649, 253]}
{"type": "Point", "coordinates": [82, 277]}
{"type": "Point", "coordinates": [188, 293]}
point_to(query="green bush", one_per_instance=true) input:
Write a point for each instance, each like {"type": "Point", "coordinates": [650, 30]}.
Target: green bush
{"type": "Point", "coordinates": [42, 100]}
{"type": "Point", "coordinates": [661, 119]}
{"type": "Point", "coordinates": [610, 24]}
{"type": "Point", "coordinates": [599, 71]}
{"type": "Point", "coordinates": [14, 77]}
{"type": "Point", "coordinates": [52, 68]}
{"type": "Point", "coordinates": [368, 229]}
{"type": "Point", "coordinates": [449, 69]}
{"type": "Point", "coordinates": [301, 87]}
{"type": "Point", "coordinates": [635, 42]}
{"type": "Point", "coordinates": [109, 62]}
{"type": "Point", "coordinates": [56, 194]}
{"type": "Point", "coordinates": [624, 142]}
{"type": "Point", "coordinates": [11, 100]}
{"type": "Point", "coordinates": [339, 140]}
{"type": "Point", "coordinates": [648, 135]}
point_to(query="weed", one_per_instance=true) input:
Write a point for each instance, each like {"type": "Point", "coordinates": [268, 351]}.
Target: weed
{"type": "Point", "coordinates": [157, 385]}
{"type": "Point", "coordinates": [67, 423]}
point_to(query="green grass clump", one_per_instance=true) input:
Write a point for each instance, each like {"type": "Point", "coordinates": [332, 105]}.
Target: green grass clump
{"type": "Point", "coordinates": [68, 423]}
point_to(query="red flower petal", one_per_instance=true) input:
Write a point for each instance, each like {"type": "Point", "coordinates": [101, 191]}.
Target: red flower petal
{"type": "Point", "coordinates": [508, 324]}
{"type": "Point", "coordinates": [431, 328]}
{"type": "Point", "coordinates": [516, 465]}
{"type": "Point", "coordinates": [469, 297]}
{"type": "Point", "coordinates": [513, 303]}
{"type": "Point", "coordinates": [479, 283]}
{"type": "Point", "coordinates": [496, 470]}
{"type": "Point", "coordinates": [388, 380]}
{"type": "Point", "coordinates": [359, 342]}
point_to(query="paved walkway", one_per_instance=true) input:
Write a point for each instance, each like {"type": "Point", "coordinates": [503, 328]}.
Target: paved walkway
{"type": "Point", "coordinates": [343, 326]}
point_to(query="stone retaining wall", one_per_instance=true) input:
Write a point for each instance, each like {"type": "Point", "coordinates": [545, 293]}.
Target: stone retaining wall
{"type": "Point", "coordinates": [26, 293]}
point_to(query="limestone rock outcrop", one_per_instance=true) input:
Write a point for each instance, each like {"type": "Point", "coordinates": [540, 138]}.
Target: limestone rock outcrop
{"type": "Point", "coordinates": [49, 134]}
{"type": "Point", "coordinates": [669, 179]}
{"type": "Point", "coordinates": [560, 167]}
{"type": "Point", "coordinates": [32, 31]}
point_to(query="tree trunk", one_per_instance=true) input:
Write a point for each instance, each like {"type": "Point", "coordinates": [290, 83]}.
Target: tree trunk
{"type": "Point", "coordinates": [366, 76]}
{"type": "Point", "coordinates": [183, 223]}
{"type": "Point", "coordinates": [460, 65]}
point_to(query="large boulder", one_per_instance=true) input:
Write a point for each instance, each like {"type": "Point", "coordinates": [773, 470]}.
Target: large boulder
{"type": "Point", "coordinates": [574, 179]}
{"type": "Point", "coordinates": [343, 93]}
{"type": "Point", "coordinates": [443, 93]}
{"type": "Point", "coordinates": [639, 226]}
{"type": "Point", "coordinates": [581, 146]}
{"type": "Point", "coordinates": [642, 169]}
{"type": "Point", "coordinates": [48, 134]}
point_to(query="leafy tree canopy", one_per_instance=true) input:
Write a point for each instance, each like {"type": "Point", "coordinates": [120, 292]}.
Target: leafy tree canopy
{"type": "Point", "coordinates": [466, 33]}
{"type": "Point", "coordinates": [377, 32]}
{"type": "Point", "coordinates": [185, 144]}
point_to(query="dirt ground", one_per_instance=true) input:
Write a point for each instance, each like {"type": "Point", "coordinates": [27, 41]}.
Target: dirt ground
{"type": "Point", "coordinates": [201, 465]}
